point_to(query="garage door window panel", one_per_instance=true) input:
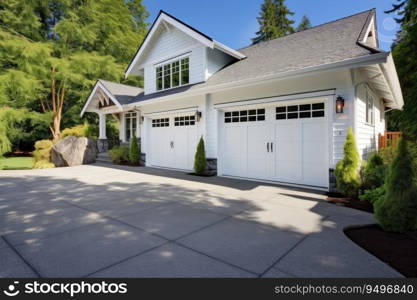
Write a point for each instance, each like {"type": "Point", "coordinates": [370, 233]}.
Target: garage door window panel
{"type": "Point", "coordinates": [164, 122]}
{"type": "Point", "coordinates": [302, 111]}
{"type": "Point", "coordinates": [184, 121]}
{"type": "Point", "coordinates": [251, 115]}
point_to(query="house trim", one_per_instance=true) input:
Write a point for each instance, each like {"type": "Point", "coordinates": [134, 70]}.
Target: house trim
{"type": "Point", "coordinates": [295, 96]}
{"type": "Point", "coordinates": [192, 32]}
{"type": "Point", "coordinates": [171, 111]}
{"type": "Point", "coordinates": [106, 91]}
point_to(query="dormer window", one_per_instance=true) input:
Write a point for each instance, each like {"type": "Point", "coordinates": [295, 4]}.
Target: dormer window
{"type": "Point", "coordinates": [173, 74]}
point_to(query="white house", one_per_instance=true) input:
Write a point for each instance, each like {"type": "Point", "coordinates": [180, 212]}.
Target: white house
{"type": "Point", "coordinates": [275, 111]}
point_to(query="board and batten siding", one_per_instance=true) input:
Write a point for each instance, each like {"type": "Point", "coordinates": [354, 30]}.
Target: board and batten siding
{"type": "Point", "coordinates": [168, 44]}
{"type": "Point", "coordinates": [367, 134]}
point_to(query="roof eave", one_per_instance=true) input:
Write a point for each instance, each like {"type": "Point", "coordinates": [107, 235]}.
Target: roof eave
{"type": "Point", "coordinates": [100, 85]}
{"type": "Point", "coordinates": [349, 63]}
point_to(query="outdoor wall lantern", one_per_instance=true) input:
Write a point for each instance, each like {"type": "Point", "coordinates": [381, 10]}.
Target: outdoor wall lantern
{"type": "Point", "coordinates": [198, 115]}
{"type": "Point", "coordinates": [340, 104]}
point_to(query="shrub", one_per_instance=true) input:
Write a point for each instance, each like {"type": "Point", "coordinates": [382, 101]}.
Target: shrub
{"type": "Point", "coordinates": [397, 210]}
{"type": "Point", "coordinates": [388, 153]}
{"type": "Point", "coordinates": [347, 170]}
{"type": "Point", "coordinates": [200, 162]}
{"type": "Point", "coordinates": [119, 154]}
{"type": "Point", "coordinates": [78, 131]}
{"type": "Point", "coordinates": [43, 150]}
{"type": "Point", "coordinates": [43, 164]}
{"type": "Point", "coordinates": [374, 172]}
{"type": "Point", "coordinates": [134, 154]}
{"type": "Point", "coordinates": [373, 195]}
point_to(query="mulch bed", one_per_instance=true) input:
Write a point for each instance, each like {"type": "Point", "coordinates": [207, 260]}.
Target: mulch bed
{"type": "Point", "coordinates": [19, 154]}
{"type": "Point", "coordinates": [338, 199]}
{"type": "Point", "coordinates": [399, 250]}
{"type": "Point", "coordinates": [201, 175]}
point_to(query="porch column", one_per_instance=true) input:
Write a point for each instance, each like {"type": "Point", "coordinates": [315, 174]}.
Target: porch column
{"type": "Point", "coordinates": [102, 126]}
{"type": "Point", "coordinates": [102, 143]}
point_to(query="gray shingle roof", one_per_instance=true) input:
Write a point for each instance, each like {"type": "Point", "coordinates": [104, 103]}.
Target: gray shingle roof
{"type": "Point", "coordinates": [124, 94]}
{"type": "Point", "coordinates": [324, 44]}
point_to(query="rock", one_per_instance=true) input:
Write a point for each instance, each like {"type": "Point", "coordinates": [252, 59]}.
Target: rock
{"type": "Point", "coordinates": [74, 151]}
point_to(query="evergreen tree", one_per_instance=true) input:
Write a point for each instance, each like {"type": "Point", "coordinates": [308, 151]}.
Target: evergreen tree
{"type": "Point", "coordinates": [283, 22]}
{"type": "Point", "coordinates": [404, 51]}
{"type": "Point", "coordinates": [347, 170]}
{"type": "Point", "coordinates": [273, 21]}
{"type": "Point", "coordinates": [200, 162]}
{"type": "Point", "coordinates": [134, 153]}
{"type": "Point", "coordinates": [397, 210]}
{"type": "Point", "coordinates": [304, 24]}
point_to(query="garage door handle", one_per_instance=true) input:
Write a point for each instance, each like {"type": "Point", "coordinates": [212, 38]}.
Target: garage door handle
{"type": "Point", "coordinates": [272, 147]}
{"type": "Point", "coordinates": [267, 147]}
{"type": "Point", "coordinates": [172, 144]}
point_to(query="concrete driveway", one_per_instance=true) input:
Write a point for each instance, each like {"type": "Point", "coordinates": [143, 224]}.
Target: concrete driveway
{"type": "Point", "coordinates": [107, 221]}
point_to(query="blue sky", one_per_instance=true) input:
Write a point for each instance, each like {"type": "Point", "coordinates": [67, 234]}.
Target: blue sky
{"type": "Point", "coordinates": [233, 22]}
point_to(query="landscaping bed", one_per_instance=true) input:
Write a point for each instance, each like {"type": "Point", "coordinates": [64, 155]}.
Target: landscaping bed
{"type": "Point", "coordinates": [398, 250]}
{"type": "Point", "coordinates": [339, 200]}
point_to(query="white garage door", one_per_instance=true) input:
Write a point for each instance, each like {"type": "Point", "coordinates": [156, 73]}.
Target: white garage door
{"type": "Point", "coordinates": [173, 142]}
{"type": "Point", "coordinates": [285, 143]}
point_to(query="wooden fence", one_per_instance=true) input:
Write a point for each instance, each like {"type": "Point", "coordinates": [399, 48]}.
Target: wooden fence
{"type": "Point", "coordinates": [389, 138]}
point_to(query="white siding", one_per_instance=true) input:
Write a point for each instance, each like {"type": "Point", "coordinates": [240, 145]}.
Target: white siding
{"type": "Point", "coordinates": [367, 134]}
{"type": "Point", "coordinates": [216, 60]}
{"type": "Point", "coordinates": [168, 44]}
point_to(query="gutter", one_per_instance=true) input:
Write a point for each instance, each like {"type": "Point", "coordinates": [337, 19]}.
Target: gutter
{"type": "Point", "coordinates": [350, 63]}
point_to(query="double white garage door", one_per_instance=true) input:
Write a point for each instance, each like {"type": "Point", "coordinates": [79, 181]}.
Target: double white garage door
{"type": "Point", "coordinates": [285, 143]}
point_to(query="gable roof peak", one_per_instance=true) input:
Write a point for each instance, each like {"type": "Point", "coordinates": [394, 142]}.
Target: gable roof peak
{"type": "Point", "coordinates": [185, 28]}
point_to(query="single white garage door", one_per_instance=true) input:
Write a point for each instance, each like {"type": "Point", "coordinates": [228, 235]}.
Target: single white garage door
{"type": "Point", "coordinates": [173, 142]}
{"type": "Point", "coordinates": [284, 143]}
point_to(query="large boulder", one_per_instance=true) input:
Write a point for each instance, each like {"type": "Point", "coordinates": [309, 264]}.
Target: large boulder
{"type": "Point", "coordinates": [74, 151]}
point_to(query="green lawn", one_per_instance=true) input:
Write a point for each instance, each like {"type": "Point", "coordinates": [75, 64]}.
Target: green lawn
{"type": "Point", "coordinates": [16, 163]}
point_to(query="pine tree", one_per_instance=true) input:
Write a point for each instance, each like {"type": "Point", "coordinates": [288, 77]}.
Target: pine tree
{"type": "Point", "coordinates": [283, 22]}
{"type": "Point", "coordinates": [347, 170]}
{"type": "Point", "coordinates": [304, 24]}
{"type": "Point", "coordinates": [268, 23]}
{"type": "Point", "coordinates": [273, 21]}
{"type": "Point", "coordinates": [404, 52]}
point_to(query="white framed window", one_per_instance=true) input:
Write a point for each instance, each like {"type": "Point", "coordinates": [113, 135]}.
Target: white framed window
{"type": "Point", "coordinates": [131, 125]}
{"type": "Point", "coordinates": [173, 74]}
{"type": "Point", "coordinates": [369, 102]}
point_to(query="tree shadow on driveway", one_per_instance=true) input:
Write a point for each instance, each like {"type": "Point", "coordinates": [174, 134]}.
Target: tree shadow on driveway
{"type": "Point", "coordinates": [61, 226]}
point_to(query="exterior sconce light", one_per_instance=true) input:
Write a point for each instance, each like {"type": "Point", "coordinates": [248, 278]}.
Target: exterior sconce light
{"type": "Point", "coordinates": [198, 115]}
{"type": "Point", "coordinates": [340, 104]}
